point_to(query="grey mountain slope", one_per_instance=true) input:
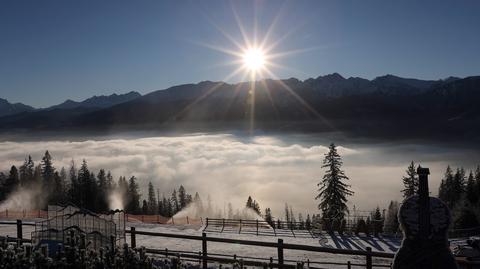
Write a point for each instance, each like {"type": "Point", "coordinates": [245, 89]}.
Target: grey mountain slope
{"type": "Point", "coordinates": [7, 108]}
{"type": "Point", "coordinates": [97, 101]}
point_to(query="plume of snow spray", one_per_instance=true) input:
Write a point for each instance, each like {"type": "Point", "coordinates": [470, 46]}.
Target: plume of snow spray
{"type": "Point", "coordinates": [197, 210]}
{"type": "Point", "coordinates": [24, 199]}
{"type": "Point", "coordinates": [116, 200]}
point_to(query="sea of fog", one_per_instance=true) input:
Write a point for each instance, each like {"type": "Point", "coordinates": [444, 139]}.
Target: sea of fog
{"type": "Point", "coordinates": [273, 169]}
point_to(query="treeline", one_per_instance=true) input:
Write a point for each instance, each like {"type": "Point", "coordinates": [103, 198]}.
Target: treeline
{"type": "Point", "coordinates": [86, 189]}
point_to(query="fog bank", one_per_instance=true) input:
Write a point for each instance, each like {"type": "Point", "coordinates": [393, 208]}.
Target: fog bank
{"type": "Point", "coordinates": [272, 169]}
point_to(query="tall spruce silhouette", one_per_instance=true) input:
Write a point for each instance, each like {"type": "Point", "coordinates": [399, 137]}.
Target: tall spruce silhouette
{"type": "Point", "coordinates": [410, 182]}
{"type": "Point", "coordinates": [333, 191]}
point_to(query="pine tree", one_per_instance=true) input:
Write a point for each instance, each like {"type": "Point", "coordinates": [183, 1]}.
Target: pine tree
{"type": "Point", "coordinates": [471, 194]}
{"type": "Point", "coordinates": [93, 195]}
{"type": "Point", "coordinates": [377, 222]}
{"type": "Point", "coordinates": [301, 221]}
{"type": "Point", "coordinates": [230, 211]}
{"type": "Point", "coordinates": [391, 220]}
{"type": "Point", "coordinates": [175, 204]}
{"type": "Point", "coordinates": [249, 202]}
{"type": "Point", "coordinates": [110, 182]}
{"type": "Point", "coordinates": [74, 192]}
{"type": "Point", "coordinates": [48, 171]}
{"type": "Point", "coordinates": [268, 216]}
{"type": "Point", "coordinates": [198, 205]}
{"type": "Point", "coordinates": [446, 190]}
{"type": "Point", "coordinates": [458, 187]}
{"type": "Point", "coordinates": [83, 184]}
{"type": "Point", "coordinates": [256, 207]}
{"type": "Point", "coordinates": [477, 181]}
{"type": "Point", "coordinates": [12, 181]}
{"type": "Point", "coordinates": [333, 191]}
{"type": "Point", "coordinates": [133, 205]}
{"type": "Point", "coordinates": [308, 223]}
{"type": "Point", "coordinates": [292, 216]}
{"type": "Point", "coordinates": [410, 182]}
{"type": "Point", "coordinates": [37, 175]}
{"type": "Point", "coordinates": [182, 197]}
{"type": "Point", "coordinates": [287, 213]}
{"type": "Point", "coordinates": [152, 200]}
{"type": "Point", "coordinates": [145, 210]}
{"type": "Point", "coordinates": [168, 207]}
{"type": "Point", "coordinates": [26, 171]}
{"type": "Point", "coordinates": [102, 199]}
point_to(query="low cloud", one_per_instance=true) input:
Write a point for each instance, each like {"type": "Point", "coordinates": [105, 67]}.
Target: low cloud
{"type": "Point", "coordinates": [273, 170]}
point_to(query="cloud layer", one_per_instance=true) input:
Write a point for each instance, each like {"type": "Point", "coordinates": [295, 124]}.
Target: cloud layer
{"type": "Point", "coordinates": [229, 168]}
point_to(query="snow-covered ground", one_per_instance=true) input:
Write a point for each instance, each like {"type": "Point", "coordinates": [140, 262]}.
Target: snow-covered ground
{"type": "Point", "coordinates": [352, 242]}
{"type": "Point", "coordinates": [381, 244]}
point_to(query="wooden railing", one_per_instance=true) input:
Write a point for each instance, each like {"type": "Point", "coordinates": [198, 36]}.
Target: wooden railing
{"type": "Point", "coordinates": [159, 219]}
{"type": "Point", "coordinates": [203, 256]}
{"type": "Point", "coordinates": [279, 245]}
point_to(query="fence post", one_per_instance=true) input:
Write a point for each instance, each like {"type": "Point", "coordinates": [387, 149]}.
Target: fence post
{"type": "Point", "coordinates": [280, 253]}
{"type": "Point", "coordinates": [187, 220]}
{"type": "Point", "coordinates": [204, 250]}
{"type": "Point", "coordinates": [19, 231]}
{"type": "Point", "coordinates": [349, 265]}
{"type": "Point", "coordinates": [257, 227]}
{"type": "Point", "coordinates": [133, 243]}
{"type": "Point", "coordinates": [369, 258]}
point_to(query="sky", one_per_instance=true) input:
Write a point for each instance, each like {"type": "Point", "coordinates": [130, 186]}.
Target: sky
{"type": "Point", "coordinates": [51, 51]}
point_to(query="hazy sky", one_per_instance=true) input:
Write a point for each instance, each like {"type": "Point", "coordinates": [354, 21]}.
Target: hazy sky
{"type": "Point", "coordinates": [54, 50]}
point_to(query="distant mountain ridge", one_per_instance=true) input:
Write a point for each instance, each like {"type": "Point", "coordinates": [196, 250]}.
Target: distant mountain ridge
{"type": "Point", "coordinates": [385, 106]}
{"type": "Point", "coordinates": [101, 101]}
{"type": "Point", "coordinates": [7, 108]}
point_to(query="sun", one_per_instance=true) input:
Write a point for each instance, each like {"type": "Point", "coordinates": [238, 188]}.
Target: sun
{"type": "Point", "coordinates": [254, 59]}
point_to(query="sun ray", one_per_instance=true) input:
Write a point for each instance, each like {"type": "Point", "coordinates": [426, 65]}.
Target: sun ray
{"type": "Point", "coordinates": [208, 93]}
{"type": "Point", "coordinates": [240, 27]}
{"type": "Point", "coordinates": [304, 103]}
{"type": "Point", "coordinates": [218, 48]}
{"type": "Point", "coordinates": [236, 91]}
{"type": "Point", "coordinates": [292, 52]}
{"type": "Point", "coordinates": [252, 104]}
{"type": "Point", "coordinates": [226, 35]}
{"type": "Point", "coordinates": [267, 90]}
{"type": "Point", "coordinates": [272, 26]}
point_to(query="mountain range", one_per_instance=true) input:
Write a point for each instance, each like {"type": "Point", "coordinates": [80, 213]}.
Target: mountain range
{"type": "Point", "coordinates": [95, 102]}
{"type": "Point", "coordinates": [387, 106]}
{"type": "Point", "coordinates": [7, 108]}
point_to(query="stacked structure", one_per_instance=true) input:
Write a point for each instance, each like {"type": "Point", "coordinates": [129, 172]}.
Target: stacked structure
{"type": "Point", "coordinates": [67, 222]}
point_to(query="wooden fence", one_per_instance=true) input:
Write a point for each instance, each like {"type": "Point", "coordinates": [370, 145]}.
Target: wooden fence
{"type": "Point", "coordinates": [204, 257]}
{"type": "Point", "coordinates": [159, 219]}
{"type": "Point", "coordinates": [259, 227]}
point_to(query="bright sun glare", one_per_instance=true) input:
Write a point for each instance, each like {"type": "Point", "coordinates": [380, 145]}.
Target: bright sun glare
{"type": "Point", "coordinates": [254, 59]}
